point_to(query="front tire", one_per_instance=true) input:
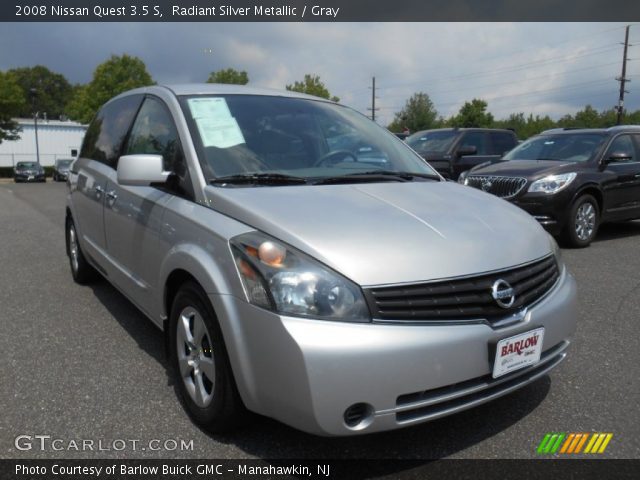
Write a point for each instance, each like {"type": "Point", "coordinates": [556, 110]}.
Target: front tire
{"type": "Point", "coordinates": [82, 272]}
{"type": "Point", "coordinates": [584, 219]}
{"type": "Point", "coordinates": [200, 363]}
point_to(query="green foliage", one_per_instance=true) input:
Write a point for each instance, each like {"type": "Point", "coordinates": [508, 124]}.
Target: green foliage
{"type": "Point", "coordinates": [473, 114]}
{"type": "Point", "coordinates": [230, 76]}
{"type": "Point", "coordinates": [418, 113]}
{"type": "Point", "coordinates": [12, 100]}
{"type": "Point", "coordinates": [45, 91]}
{"type": "Point", "coordinates": [525, 127]}
{"type": "Point", "coordinates": [79, 107]}
{"type": "Point", "coordinates": [312, 85]}
{"type": "Point", "coordinates": [116, 75]}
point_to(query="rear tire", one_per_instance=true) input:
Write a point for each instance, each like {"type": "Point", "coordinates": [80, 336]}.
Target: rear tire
{"type": "Point", "coordinates": [82, 272]}
{"type": "Point", "coordinates": [200, 363]}
{"type": "Point", "coordinates": [583, 223]}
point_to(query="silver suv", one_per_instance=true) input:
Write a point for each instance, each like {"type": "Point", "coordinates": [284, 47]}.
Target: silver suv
{"type": "Point", "coordinates": [307, 265]}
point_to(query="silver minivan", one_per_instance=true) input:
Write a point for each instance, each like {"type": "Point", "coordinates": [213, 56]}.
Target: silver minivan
{"type": "Point", "coordinates": [307, 265]}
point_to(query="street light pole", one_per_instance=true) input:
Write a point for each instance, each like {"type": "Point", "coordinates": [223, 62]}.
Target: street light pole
{"type": "Point", "coordinates": [33, 93]}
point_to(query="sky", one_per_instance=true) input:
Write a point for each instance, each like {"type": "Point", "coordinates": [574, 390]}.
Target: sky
{"type": "Point", "coordinates": [540, 68]}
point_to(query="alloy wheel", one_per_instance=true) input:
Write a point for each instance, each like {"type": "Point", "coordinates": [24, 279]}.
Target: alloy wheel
{"type": "Point", "coordinates": [585, 221]}
{"type": "Point", "coordinates": [73, 248]}
{"type": "Point", "coordinates": [195, 356]}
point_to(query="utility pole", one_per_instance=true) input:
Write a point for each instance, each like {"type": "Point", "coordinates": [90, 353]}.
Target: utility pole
{"type": "Point", "coordinates": [622, 79]}
{"type": "Point", "coordinates": [373, 99]}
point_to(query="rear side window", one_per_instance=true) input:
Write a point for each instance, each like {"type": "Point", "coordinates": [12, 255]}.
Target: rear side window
{"type": "Point", "coordinates": [104, 137]}
{"type": "Point", "coordinates": [501, 142]}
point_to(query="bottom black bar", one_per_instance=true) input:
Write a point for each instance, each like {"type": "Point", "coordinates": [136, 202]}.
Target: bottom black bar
{"type": "Point", "coordinates": [317, 469]}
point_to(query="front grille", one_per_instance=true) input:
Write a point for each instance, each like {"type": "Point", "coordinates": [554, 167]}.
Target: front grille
{"type": "Point", "coordinates": [463, 299]}
{"type": "Point", "coordinates": [503, 187]}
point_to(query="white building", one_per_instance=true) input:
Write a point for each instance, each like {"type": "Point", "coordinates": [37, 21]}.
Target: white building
{"type": "Point", "coordinates": [56, 139]}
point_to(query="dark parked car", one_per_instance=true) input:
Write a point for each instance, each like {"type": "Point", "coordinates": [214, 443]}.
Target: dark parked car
{"type": "Point", "coordinates": [28, 172]}
{"type": "Point", "coordinates": [61, 169]}
{"type": "Point", "coordinates": [570, 180]}
{"type": "Point", "coordinates": [452, 151]}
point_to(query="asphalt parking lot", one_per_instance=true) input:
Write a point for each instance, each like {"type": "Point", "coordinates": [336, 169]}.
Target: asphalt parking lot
{"type": "Point", "coordinates": [83, 363]}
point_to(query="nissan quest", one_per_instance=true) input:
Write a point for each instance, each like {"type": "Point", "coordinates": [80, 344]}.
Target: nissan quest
{"type": "Point", "coordinates": [307, 265]}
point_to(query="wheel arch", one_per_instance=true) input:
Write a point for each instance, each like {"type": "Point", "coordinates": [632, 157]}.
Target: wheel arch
{"type": "Point", "coordinates": [593, 190]}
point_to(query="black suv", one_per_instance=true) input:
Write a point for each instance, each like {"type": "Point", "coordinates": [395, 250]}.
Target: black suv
{"type": "Point", "coordinates": [452, 151]}
{"type": "Point", "coordinates": [570, 180]}
{"type": "Point", "coordinates": [28, 172]}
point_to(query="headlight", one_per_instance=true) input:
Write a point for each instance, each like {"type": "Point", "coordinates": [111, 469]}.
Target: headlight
{"type": "Point", "coordinates": [552, 183]}
{"type": "Point", "coordinates": [286, 281]}
{"type": "Point", "coordinates": [463, 177]}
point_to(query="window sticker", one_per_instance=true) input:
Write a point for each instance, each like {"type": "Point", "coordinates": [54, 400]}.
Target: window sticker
{"type": "Point", "coordinates": [213, 108]}
{"type": "Point", "coordinates": [217, 127]}
{"type": "Point", "coordinates": [220, 134]}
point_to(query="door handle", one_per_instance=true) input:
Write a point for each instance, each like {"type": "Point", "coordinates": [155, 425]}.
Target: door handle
{"type": "Point", "coordinates": [111, 197]}
{"type": "Point", "coordinates": [99, 191]}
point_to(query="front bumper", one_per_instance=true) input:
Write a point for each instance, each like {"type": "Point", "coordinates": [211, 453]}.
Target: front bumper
{"type": "Point", "coordinates": [29, 177]}
{"type": "Point", "coordinates": [551, 211]}
{"type": "Point", "coordinates": [307, 373]}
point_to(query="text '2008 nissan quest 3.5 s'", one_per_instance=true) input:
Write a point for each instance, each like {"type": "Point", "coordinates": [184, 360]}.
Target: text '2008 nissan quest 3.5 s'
{"type": "Point", "coordinates": [307, 265]}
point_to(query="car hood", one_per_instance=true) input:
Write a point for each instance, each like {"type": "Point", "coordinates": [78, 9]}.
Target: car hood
{"type": "Point", "coordinates": [435, 156]}
{"type": "Point", "coordinates": [531, 169]}
{"type": "Point", "coordinates": [388, 233]}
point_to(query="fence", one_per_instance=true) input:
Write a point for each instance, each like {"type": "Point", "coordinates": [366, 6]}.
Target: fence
{"type": "Point", "coordinates": [46, 159]}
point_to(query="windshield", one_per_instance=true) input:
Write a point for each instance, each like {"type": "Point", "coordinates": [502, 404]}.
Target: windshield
{"type": "Point", "coordinates": [27, 165]}
{"type": "Point", "coordinates": [270, 135]}
{"type": "Point", "coordinates": [578, 147]}
{"type": "Point", "coordinates": [432, 141]}
{"type": "Point", "coordinates": [64, 163]}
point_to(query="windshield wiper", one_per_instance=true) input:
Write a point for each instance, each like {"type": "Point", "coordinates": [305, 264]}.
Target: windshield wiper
{"type": "Point", "coordinates": [258, 179]}
{"type": "Point", "coordinates": [374, 175]}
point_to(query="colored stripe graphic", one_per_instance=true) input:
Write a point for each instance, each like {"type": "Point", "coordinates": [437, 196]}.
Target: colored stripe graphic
{"type": "Point", "coordinates": [573, 443]}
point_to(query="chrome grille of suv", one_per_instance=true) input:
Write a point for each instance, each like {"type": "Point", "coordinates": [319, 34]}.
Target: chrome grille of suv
{"type": "Point", "coordinates": [503, 187]}
{"type": "Point", "coordinates": [463, 299]}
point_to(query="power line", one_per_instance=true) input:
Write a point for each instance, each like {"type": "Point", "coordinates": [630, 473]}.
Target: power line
{"type": "Point", "coordinates": [516, 95]}
{"type": "Point", "coordinates": [515, 68]}
{"type": "Point", "coordinates": [509, 82]}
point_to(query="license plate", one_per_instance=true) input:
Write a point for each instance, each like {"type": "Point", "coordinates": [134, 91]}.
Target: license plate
{"type": "Point", "coordinates": [517, 352]}
{"type": "Point", "coordinates": [30, 177]}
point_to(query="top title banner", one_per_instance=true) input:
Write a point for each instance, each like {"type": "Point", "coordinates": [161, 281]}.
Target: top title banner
{"type": "Point", "coordinates": [318, 10]}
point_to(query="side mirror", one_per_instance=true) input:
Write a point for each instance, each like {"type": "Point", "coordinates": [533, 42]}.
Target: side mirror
{"type": "Point", "coordinates": [617, 157]}
{"type": "Point", "coordinates": [467, 150]}
{"type": "Point", "coordinates": [141, 170]}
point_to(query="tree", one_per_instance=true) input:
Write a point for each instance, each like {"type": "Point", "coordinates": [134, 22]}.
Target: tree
{"type": "Point", "coordinates": [79, 107]}
{"type": "Point", "coordinates": [473, 114]}
{"type": "Point", "coordinates": [230, 76]}
{"type": "Point", "coordinates": [12, 100]}
{"type": "Point", "coordinates": [48, 92]}
{"type": "Point", "coordinates": [312, 85]}
{"type": "Point", "coordinates": [418, 113]}
{"type": "Point", "coordinates": [116, 75]}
